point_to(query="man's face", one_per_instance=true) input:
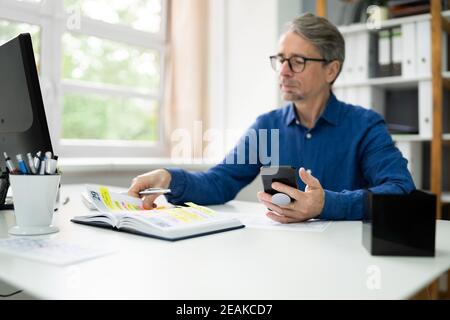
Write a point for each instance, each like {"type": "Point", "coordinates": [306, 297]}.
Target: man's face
{"type": "Point", "coordinates": [298, 86]}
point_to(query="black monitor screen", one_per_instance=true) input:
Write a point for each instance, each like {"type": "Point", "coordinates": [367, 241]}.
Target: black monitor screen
{"type": "Point", "coordinates": [23, 124]}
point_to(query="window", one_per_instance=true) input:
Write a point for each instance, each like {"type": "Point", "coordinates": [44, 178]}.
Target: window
{"type": "Point", "coordinates": [144, 15]}
{"type": "Point", "coordinates": [9, 29]}
{"type": "Point", "coordinates": [101, 65]}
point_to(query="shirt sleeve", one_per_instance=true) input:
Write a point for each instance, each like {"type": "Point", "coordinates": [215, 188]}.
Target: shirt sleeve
{"type": "Point", "coordinates": [384, 169]}
{"type": "Point", "coordinates": [222, 182]}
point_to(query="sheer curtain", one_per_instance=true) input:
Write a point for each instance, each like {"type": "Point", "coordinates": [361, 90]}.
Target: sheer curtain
{"type": "Point", "coordinates": [186, 78]}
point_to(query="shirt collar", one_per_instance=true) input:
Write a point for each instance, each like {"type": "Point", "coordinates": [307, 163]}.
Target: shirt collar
{"type": "Point", "coordinates": [330, 114]}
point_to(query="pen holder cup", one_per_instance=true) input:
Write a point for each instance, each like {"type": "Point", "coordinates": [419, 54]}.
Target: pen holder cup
{"type": "Point", "coordinates": [34, 202]}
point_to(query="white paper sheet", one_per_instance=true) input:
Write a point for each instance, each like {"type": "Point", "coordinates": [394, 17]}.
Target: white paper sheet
{"type": "Point", "coordinates": [50, 251]}
{"type": "Point", "coordinates": [261, 221]}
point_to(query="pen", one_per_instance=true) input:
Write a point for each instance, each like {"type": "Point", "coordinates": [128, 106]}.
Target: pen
{"type": "Point", "coordinates": [47, 165]}
{"type": "Point", "coordinates": [31, 163]}
{"type": "Point", "coordinates": [9, 164]}
{"type": "Point", "coordinates": [37, 161]}
{"type": "Point", "coordinates": [154, 191]}
{"type": "Point", "coordinates": [22, 166]}
{"type": "Point", "coordinates": [42, 165]}
{"type": "Point", "coordinates": [50, 166]}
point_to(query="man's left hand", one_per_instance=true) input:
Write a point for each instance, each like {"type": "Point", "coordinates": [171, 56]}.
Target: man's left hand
{"type": "Point", "coordinates": [307, 204]}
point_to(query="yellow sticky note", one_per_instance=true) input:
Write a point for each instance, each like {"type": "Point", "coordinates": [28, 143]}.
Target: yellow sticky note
{"type": "Point", "coordinates": [106, 197]}
{"type": "Point", "coordinates": [119, 207]}
{"type": "Point", "coordinates": [201, 208]}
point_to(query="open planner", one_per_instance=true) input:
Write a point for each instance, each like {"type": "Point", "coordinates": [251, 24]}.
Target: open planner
{"type": "Point", "coordinates": [124, 213]}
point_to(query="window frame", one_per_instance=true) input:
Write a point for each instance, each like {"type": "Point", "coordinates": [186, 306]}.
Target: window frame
{"type": "Point", "coordinates": [52, 19]}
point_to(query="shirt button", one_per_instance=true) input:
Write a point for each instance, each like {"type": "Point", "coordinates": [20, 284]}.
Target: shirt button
{"type": "Point", "coordinates": [308, 135]}
{"type": "Point", "coordinates": [297, 122]}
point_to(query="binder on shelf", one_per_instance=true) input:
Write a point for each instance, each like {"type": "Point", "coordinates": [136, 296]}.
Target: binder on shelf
{"type": "Point", "coordinates": [362, 56]}
{"type": "Point", "coordinates": [350, 52]}
{"type": "Point", "coordinates": [397, 51]}
{"type": "Point", "coordinates": [425, 109]}
{"type": "Point", "coordinates": [373, 55]}
{"type": "Point", "coordinates": [408, 58]}
{"type": "Point", "coordinates": [364, 96]}
{"type": "Point", "coordinates": [423, 47]}
{"type": "Point", "coordinates": [384, 53]}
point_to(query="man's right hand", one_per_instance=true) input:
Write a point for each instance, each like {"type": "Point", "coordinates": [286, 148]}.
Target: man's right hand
{"type": "Point", "coordinates": [154, 179]}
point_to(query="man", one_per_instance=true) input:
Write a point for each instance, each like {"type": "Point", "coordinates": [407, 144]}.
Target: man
{"type": "Point", "coordinates": [346, 147]}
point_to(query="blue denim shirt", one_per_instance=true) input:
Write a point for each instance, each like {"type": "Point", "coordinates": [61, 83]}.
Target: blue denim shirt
{"type": "Point", "coordinates": [349, 150]}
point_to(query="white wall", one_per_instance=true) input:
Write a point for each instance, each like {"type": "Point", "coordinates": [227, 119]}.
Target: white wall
{"type": "Point", "coordinates": [252, 38]}
{"type": "Point", "coordinates": [243, 34]}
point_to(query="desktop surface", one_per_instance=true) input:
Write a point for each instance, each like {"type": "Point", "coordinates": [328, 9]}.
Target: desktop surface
{"type": "Point", "coordinates": [241, 264]}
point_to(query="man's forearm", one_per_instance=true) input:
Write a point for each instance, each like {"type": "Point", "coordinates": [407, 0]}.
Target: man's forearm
{"type": "Point", "coordinates": [349, 205]}
{"type": "Point", "coordinates": [196, 187]}
{"type": "Point", "coordinates": [215, 186]}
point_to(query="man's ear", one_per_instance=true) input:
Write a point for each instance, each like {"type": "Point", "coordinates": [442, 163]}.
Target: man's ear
{"type": "Point", "coordinates": [332, 70]}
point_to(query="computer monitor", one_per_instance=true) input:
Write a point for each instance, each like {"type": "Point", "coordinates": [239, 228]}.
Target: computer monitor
{"type": "Point", "coordinates": [23, 124]}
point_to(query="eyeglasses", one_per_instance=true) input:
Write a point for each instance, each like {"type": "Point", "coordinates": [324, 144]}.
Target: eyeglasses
{"type": "Point", "coordinates": [296, 63]}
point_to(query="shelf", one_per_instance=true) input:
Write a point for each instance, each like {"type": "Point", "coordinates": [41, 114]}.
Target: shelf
{"type": "Point", "coordinates": [408, 138]}
{"type": "Point", "coordinates": [389, 82]}
{"type": "Point", "coordinates": [357, 27]}
{"type": "Point", "coordinates": [415, 137]}
{"type": "Point", "coordinates": [386, 82]}
{"type": "Point", "coordinates": [375, 91]}
{"type": "Point", "coordinates": [396, 82]}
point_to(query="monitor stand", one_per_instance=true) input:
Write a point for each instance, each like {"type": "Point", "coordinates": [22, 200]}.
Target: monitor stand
{"type": "Point", "coordinates": [4, 186]}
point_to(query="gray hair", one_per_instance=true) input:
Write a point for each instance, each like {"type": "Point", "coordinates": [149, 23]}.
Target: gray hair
{"type": "Point", "coordinates": [322, 34]}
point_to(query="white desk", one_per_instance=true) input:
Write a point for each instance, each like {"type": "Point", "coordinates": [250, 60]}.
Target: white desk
{"type": "Point", "coordinates": [241, 264]}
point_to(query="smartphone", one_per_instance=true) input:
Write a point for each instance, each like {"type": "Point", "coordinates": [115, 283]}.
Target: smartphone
{"type": "Point", "coordinates": [284, 174]}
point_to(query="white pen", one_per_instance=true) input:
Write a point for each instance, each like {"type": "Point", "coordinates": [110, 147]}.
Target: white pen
{"type": "Point", "coordinates": [50, 166]}
{"type": "Point", "coordinates": [31, 163]}
{"type": "Point", "coordinates": [47, 163]}
{"type": "Point", "coordinates": [154, 191]}
{"type": "Point", "coordinates": [37, 161]}
{"type": "Point", "coordinates": [42, 166]}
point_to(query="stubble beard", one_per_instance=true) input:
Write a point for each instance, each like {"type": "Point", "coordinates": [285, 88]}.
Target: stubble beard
{"type": "Point", "coordinates": [290, 96]}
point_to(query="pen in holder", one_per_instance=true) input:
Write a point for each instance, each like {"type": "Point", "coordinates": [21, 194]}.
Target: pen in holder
{"type": "Point", "coordinates": [34, 203]}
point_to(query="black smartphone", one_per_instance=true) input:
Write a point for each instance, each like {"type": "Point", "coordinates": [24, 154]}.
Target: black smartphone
{"type": "Point", "coordinates": [284, 174]}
